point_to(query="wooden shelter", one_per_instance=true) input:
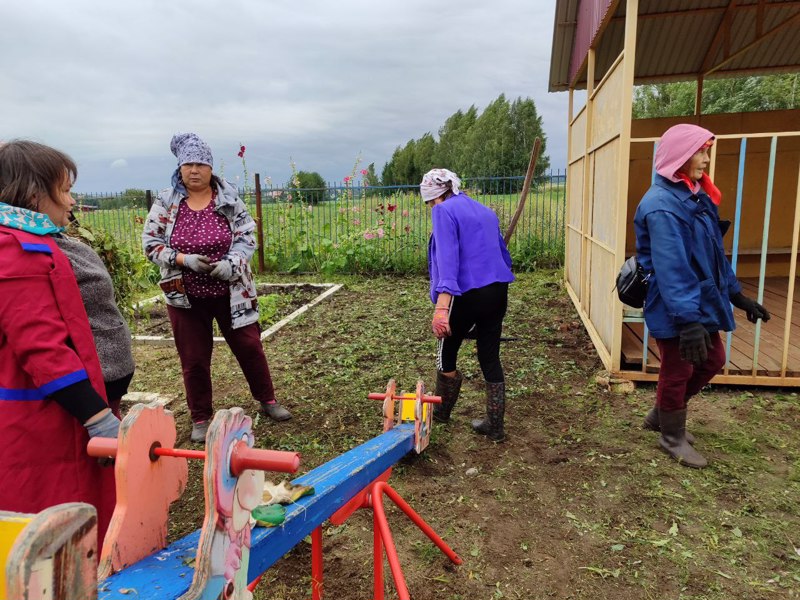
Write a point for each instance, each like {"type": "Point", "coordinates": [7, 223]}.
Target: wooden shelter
{"type": "Point", "coordinates": [607, 47]}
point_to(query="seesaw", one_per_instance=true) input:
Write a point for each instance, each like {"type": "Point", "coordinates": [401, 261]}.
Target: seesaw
{"type": "Point", "coordinates": [219, 560]}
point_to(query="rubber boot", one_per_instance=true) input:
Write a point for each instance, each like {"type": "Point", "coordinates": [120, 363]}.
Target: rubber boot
{"type": "Point", "coordinates": [651, 423]}
{"type": "Point", "coordinates": [673, 439]}
{"type": "Point", "coordinates": [448, 388]}
{"type": "Point", "coordinates": [492, 425]}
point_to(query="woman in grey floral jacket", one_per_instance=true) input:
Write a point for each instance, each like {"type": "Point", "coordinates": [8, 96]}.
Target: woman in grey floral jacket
{"type": "Point", "coordinates": [200, 233]}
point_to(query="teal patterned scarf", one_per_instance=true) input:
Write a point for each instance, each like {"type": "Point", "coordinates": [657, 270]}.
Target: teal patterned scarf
{"type": "Point", "coordinates": [27, 220]}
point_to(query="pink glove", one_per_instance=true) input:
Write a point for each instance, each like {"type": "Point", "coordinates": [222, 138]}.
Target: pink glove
{"type": "Point", "coordinates": [441, 322]}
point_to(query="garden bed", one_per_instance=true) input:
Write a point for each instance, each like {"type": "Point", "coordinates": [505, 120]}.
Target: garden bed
{"type": "Point", "coordinates": [278, 304]}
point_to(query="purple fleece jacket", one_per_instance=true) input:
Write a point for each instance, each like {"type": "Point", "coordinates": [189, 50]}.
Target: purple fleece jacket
{"type": "Point", "coordinates": [466, 250]}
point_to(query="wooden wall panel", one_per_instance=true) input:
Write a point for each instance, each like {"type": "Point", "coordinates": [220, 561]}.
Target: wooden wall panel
{"type": "Point", "coordinates": [575, 198]}
{"type": "Point", "coordinates": [577, 135]}
{"type": "Point", "coordinates": [602, 302]}
{"type": "Point", "coordinates": [606, 194]}
{"type": "Point", "coordinates": [573, 261]}
{"type": "Point", "coordinates": [607, 118]}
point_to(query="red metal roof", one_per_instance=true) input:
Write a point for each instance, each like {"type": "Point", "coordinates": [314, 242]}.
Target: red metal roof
{"type": "Point", "coordinates": [677, 39]}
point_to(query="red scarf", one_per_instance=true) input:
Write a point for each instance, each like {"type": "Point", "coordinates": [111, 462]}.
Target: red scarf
{"type": "Point", "coordinates": [705, 183]}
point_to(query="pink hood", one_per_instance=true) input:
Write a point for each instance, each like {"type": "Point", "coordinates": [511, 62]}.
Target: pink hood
{"type": "Point", "coordinates": [677, 146]}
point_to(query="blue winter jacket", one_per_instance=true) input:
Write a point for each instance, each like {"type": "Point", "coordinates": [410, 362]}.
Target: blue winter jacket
{"type": "Point", "coordinates": [678, 240]}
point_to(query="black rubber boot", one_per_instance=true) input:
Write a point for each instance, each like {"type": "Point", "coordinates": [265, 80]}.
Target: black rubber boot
{"type": "Point", "coordinates": [448, 388]}
{"type": "Point", "coordinates": [492, 425]}
{"type": "Point", "coordinates": [673, 439]}
{"type": "Point", "coordinates": [652, 423]}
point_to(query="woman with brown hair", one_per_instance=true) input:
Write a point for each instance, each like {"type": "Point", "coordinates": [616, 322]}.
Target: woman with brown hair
{"type": "Point", "coordinates": [52, 391]}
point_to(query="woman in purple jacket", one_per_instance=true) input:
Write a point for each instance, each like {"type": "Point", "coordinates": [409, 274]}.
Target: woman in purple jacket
{"type": "Point", "coordinates": [470, 269]}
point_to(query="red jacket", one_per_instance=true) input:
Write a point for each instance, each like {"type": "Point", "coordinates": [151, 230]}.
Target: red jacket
{"type": "Point", "coordinates": [46, 344]}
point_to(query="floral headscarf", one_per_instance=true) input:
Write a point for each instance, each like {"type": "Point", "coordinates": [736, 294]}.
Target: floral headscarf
{"type": "Point", "coordinates": [436, 182]}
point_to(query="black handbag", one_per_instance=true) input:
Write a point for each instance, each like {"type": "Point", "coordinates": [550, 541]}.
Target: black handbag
{"type": "Point", "coordinates": [632, 282]}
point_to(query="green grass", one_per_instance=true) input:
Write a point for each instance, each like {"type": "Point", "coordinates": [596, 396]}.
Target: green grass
{"type": "Point", "coordinates": [578, 503]}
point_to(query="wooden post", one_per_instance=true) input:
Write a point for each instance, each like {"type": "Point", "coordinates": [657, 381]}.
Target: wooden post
{"type": "Point", "coordinates": [148, 195]}
{"type": "Point", "coordinates": [260, 225]}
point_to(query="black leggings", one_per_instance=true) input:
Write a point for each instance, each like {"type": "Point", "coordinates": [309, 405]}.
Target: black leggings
{"type": "Point", "coordinates": [485, 308]}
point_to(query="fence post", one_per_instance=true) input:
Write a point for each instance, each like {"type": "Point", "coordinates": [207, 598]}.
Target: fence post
{"type": "Point", "coordinates": [148, 196]}
{"type": "Point", "coordinates": [259, 225]}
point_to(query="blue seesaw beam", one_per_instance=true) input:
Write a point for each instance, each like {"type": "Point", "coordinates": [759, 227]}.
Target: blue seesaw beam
{"type": "Point", "coordinates": [166, 575]}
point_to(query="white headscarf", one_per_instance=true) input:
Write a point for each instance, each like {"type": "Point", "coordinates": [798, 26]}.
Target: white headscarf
{"type": "Point", "coordinates": [436, 182]}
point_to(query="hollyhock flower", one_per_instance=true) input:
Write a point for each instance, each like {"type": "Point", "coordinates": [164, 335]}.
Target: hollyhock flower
{"type": "Point", "coordinates": [368, 235]}
{"type": "Point", "coordinates": [363, 171]}
{"type": "Point", "coordinates": [356, 222]}
{"type": "Point", "coordinates": [380, 232]}
{"type": "Point", "coordinates": [405, 212]}
{"type": "Point", "coordinates": [347, 179]}
{"type": "Point", "coordinates": [241, 151]}
{"type": "Point", "coordinates": [391, 207]}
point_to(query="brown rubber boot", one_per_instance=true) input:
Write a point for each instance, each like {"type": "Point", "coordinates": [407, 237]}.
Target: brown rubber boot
{"type": "Point", "coordinates": [448, 388]}
{"type": "Point", "coordinates": [492, 425]}
{"type": "Point", "coordinates": [673, 439]}
{"type": "Point", "coordinates": [651, 423]}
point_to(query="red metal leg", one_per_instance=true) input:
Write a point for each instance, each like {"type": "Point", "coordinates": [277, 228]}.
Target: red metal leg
{"type": "Point", "coordinates": [252, 585]}
{"type": "Point", "coordinates": [316, 564]}
{"type": "Point", "coordinates": [417, 520]}
{"type": "Point", "coordinates": [377, 556]}
{"type": "Point", "coordinates": [382, 527]}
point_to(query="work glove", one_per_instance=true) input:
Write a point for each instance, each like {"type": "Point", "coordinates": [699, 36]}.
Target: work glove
{"type": "Point", "coordinates": [197, 263]}
{"type": "Point", "coordinates": [105, 426]}
{"type": "Point", "coordinates": [694, 343]}
{"type": "Point", "coordinates": [441, 322]}
{"type": "Point", "coordinates": [753, 309]}
{"type": "Point", "coordinates": [222, 270]}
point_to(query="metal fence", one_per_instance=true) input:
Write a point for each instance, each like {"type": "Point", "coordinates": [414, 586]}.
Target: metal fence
{"type": "Point", "coordinates": [358, 228]}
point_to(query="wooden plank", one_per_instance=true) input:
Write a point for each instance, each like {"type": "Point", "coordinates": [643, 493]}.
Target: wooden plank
{"type": "Point", "coordinates": [55, 556]}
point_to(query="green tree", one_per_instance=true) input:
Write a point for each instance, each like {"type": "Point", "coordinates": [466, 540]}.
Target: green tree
{"type": "Point", "coordinates": [742, 94]}
{"type": "Point", "coordinates": [309, 185]}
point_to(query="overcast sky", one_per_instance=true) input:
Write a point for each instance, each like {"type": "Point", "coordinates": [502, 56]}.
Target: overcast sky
{"type": "Point", "coordinates": [318, 81]}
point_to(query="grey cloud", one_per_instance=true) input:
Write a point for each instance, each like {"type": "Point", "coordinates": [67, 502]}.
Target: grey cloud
{"type": "Point", "coordinates": [317, 81]}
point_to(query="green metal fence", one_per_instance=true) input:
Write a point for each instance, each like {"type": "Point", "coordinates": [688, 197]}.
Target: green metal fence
{"type": "Point", "coordinates": [357, 228]}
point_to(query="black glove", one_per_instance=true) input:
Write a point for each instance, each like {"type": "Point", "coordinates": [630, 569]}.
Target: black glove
{"type": "Point", "coordinates": [753, 309]}
{"type": "Point", "coordinates": [694, 343]}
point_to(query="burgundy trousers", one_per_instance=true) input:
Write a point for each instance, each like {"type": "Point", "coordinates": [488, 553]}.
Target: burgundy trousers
{"type": "Point", "coordinates": [678, 379]}
{"type": "Point", "coordinates": [192, 328]}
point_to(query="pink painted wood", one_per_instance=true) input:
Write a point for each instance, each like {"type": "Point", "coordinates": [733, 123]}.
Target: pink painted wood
{"type": "Point", "coordinates": [223, 553]}
{"type": "Point", "coordinates": [55, 556]}
{"type": "Point", "coordinates": [145, 488]}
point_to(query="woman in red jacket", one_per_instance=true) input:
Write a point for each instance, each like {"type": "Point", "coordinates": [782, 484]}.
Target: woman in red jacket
{"type": "Point", "coordinates": [52, 394]}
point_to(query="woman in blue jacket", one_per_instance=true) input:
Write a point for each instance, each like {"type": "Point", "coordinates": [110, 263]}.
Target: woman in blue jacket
{"type": "Point", "coordinates": [470, 269]}
{"type": "Point", "coordinates": [692, 287]}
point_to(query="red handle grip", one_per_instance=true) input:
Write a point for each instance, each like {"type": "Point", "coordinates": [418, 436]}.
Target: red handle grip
{"type": "Point", "coordinates": [244, 458]}
{"type": "Point", "coordinates": [426, 399]}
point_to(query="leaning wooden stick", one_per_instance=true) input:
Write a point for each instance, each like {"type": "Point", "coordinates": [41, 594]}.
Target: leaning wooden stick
{"type": "Point", "coordinates": [537, 144]}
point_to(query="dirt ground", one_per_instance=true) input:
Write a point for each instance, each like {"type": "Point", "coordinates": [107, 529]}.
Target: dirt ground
{"type": "Point", "coordinates": [577, 503]}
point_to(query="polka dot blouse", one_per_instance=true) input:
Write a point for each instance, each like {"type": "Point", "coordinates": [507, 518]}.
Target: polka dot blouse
{"type": "Point", "coordinates": [203, 232]}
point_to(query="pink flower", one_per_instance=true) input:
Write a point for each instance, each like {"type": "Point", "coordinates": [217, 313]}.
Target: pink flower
{"type": "Point", "coordinates": [391, 207]}
{"type": "Point", "coordinates": [363, 171]}
{"type": "Point", "coordinates": [368, 235]}
{"type": "Point", "coordinates": [405, 212]}
{"type": "Point", "coordinates": [380, 232]}
{"type": "Point", "coordinates": [342, 210]}
{"type": "Point", "coordinates": [356, 221]}
{"type": "Point", "coordinates": [347, 179]}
